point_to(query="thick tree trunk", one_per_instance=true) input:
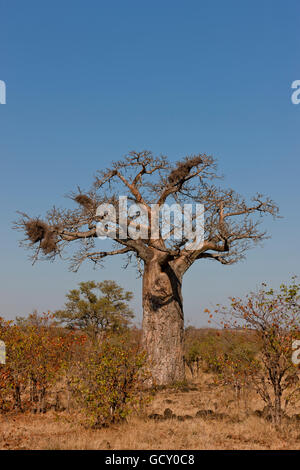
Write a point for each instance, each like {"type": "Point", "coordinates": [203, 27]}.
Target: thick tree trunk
{"type": "Point", "coordinates": [163, 324]}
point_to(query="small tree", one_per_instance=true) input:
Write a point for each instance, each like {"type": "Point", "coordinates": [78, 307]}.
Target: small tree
{"type": "Point", "coordinates": [35, 319]}
{"type": "Point", "coordinates": [92, 313]}
{"type": "Point", "coordinates": [273, 319]}
{"type": "Point", "coordinates": [37, 354]}
{"type": "Point", "coordinates": [107, 381]}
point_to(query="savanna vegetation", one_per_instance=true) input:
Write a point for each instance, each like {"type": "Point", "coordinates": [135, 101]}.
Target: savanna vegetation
{"type": "Point", "coordinates": [79, 377]}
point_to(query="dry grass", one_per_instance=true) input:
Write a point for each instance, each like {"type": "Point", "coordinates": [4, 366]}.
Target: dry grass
{"type": "Point", "coordinates": [239, 429]}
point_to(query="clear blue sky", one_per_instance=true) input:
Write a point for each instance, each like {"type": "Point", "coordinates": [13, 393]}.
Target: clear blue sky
{"type": "Point", "coordinates": [88, 81]}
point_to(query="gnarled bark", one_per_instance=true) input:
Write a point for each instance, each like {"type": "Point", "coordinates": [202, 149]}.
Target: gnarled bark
{"type": "Point", "coordinates": [163, 323]}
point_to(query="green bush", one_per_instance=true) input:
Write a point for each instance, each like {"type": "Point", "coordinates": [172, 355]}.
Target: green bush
{"type": "Point", "coordinates": [108, 381]}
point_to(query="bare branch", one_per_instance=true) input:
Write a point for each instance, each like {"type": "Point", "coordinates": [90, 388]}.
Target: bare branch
{"type": "Point", "coordinates": [230, 224]}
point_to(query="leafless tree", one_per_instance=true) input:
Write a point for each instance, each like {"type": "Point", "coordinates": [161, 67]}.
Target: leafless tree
{"type": "Point", "coordinates": [231, 227]}
{"type": "Point", "coordinates": [272, 319]}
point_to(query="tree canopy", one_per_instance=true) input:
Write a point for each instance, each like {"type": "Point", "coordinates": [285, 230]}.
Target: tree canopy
{"type": "Point", "coordinates": [94, 313]}
{"type": "Point", "coordinates": [231, 225]}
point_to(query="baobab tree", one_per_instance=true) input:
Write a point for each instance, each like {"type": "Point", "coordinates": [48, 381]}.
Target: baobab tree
{"type": "Point", "coordinates": [231, 228]}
